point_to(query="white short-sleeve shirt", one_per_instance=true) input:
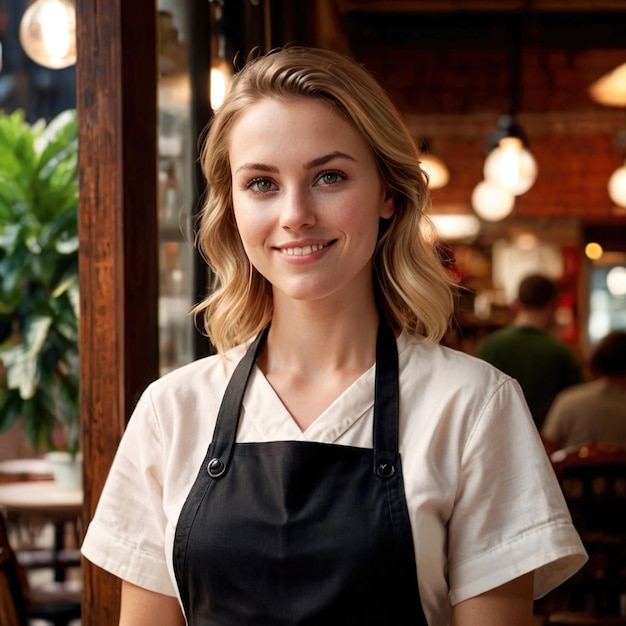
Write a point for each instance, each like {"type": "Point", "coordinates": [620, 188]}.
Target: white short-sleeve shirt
{"type": "Point", "coordinates": [484, 504]}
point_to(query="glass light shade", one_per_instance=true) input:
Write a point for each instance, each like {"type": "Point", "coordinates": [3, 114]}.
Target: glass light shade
{"type": "Point", "coordinates": [48, 33]}
{"type": "Point", "coordinates": [610, 89]}
{"type": "Point", "coordinates": [220, 82]}
{"type": "Point", "coordinates": [435, 168]}
{"type": "Point", "coordinates": [453, 227]}
{"type": "Point", "coordinates": [617, 186]}
{"type": "Point", "coordinates": [492, 202]}
{"type": "Point", "coordinates": [616, 281]}
{"type": "Point", "coordinates": [511, 166]}
{"type": "Point", "coordinates": [593, 251]}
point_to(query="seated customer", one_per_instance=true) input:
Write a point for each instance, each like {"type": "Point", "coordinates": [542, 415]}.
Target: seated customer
{"type": "Point", "coordinates": [525, 350]}
{"type": "Point", "coordinates": [593, 411]}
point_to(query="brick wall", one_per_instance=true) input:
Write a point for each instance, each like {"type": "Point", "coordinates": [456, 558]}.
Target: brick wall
{"type": "Point", "coordinates": [451, 75]}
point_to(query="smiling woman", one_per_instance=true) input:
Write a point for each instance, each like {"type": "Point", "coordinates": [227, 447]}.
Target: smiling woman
{"type": "Point", "coordinates": [308, 212]}
{"type": "Point", "coordinates": [333, 463]}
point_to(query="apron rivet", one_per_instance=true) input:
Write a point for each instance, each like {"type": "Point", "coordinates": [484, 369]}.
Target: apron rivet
{"type": "Point", "coordinates": [216, 467]}
{"type": "Point", "coordinates": [385, 470]}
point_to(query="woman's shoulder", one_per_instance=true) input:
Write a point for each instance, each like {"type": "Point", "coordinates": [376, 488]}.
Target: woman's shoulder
{"type": "Point", "coordinates": [202, 378]}
{"type": "Point", "coordinates": [436, 359]}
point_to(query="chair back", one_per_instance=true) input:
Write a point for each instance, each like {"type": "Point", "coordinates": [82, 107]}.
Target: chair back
{"type": "Point", "coordinates": [593, 480]}
{"type": "Point", "coordinates": [12, 601]}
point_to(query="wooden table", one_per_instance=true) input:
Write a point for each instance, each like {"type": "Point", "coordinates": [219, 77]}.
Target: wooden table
{"type": "Point", "coordinates": [41, 497]}
{"type": "Point", "coordinates": [24, 469]}
{"type": "Point", "coordinates": [43, 501]}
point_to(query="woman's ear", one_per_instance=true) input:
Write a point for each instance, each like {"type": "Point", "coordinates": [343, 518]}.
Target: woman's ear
{"type": "Point", "coordinates": [388, 207]}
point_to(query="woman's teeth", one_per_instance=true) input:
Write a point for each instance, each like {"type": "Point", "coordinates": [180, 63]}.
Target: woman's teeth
{"type": "Point", "coordinates": [304, 250]}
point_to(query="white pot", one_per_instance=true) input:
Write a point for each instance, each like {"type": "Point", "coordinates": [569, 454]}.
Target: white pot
{"type": "Point", "coordinates": [67, 470]}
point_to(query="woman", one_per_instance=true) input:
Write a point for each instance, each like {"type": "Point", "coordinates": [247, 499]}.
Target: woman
{"type": "Point", "coordinates": [333, 464]}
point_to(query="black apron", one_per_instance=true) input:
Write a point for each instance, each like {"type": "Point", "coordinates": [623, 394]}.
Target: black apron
{"type": "Point", "coordinates": [292, 533]}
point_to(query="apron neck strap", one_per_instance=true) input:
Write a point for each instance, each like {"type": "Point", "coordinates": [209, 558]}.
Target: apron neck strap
{"type": "Point", "coordinates": [230, 408]}
{"type": "Point", "coordinates": [386, 396]}
{"type": "Point", "coordinates": [386, 402]}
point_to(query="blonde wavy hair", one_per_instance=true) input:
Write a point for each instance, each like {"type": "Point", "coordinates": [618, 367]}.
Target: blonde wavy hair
{"type": "Point", "coordinates": [414, 290]}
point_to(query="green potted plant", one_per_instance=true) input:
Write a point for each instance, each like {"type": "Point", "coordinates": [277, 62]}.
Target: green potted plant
{"type": "Point", "coordinates": [39, 367]}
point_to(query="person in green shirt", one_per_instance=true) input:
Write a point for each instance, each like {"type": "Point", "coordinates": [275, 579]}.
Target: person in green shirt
{"type": "Point", "coordinates": [527, 351]}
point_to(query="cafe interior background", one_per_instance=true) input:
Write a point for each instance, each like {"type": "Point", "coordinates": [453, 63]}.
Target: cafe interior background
{"type": "Point", "coordinates": [465, 75]}
{"type": "Point", "coordinates": [548, 76]}
{"type": "Point", "coordinates": [545, 78]}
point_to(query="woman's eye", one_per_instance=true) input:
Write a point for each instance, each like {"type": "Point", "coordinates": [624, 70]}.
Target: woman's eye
{"type": "Point", "coordinates": [330, 178]}
{"type": "Point", "coordinates": [261, 185]}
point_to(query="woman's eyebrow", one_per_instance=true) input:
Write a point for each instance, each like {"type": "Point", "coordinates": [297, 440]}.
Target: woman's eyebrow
{"type": "Point", "coordinates": [264, 167]}
{"type": "Point", "coordinates": [326, 158]}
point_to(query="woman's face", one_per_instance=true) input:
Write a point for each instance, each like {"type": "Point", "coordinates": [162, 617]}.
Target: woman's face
{"type": "Point", "coordinates": [307, 198]}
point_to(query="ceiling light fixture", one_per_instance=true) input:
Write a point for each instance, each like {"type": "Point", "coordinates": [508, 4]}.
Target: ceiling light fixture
{"type": "Point", "coordinates": [48, 33]}
{"type": "Point", "coordinates": [221, 74]}
{"type": "Point", "coordinates": [456, 227]}
{"type": "Point", "coordinates": [610, 89]}
{"type": "Point", "coordinates": [221, 77]}
{"type": "Point", "coordinates": [436, 170]}
{"type": "Point", "coordinates": [510, 164]}
{"type": "Point", "coordinates": [491, 201]}
{"type": "Point", "coordinates": [510, 169]}
{"type": "Point", "coordinates": [617, 186]}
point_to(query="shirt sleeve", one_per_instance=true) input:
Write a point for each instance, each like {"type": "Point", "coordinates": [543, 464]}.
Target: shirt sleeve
{"type": "Point", "coordinates": [509, 516]}
{"type": "Point", "coordinates": [127, 534]}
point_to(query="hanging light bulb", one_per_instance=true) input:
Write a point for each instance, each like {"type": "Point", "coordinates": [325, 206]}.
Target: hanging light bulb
{"type": "Point", "coordinates": [433, 166]}
{"type": "Point", "coordinates": [48, 33]}
{"type": "Point", "coordinates": [617, 186]}
{"type": "Point", "coordinates": [454, 227]}
{"type": "Point", "coordinates": [221, 77]}
{"type": "Point", "coordinates": [509, 164]}
{"type": "Point", "coordinates": [610, 89]}
{"type": "Point", "coordinates": [616, 281]}
{"type": "Point", "coordinates": [491, 201]}
{"type": "Point", "coordinates": [436, 170]}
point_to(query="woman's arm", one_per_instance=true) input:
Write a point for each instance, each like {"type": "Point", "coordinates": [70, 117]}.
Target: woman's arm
{"type": "Point", "coordinates": [140, 607]}
{"type": "Point", "coordinates": [510, 604]}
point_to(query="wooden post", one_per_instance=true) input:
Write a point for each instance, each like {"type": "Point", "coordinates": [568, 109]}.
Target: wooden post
{"type": "Point", "coordinates": [116, 102]}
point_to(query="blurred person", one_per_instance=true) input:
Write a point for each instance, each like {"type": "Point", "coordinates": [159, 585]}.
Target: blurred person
{"type": "Point", "coordinates": [527, 351]}
{"type": "Point", "coordinates": [594, 411]}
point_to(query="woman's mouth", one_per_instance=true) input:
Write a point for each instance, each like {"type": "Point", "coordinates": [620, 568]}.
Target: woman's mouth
{"type": "Point", "coordinates": [304, 250]}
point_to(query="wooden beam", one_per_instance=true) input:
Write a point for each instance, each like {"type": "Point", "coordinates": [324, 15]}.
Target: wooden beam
{"type": "Point", "coordinates": [116, 102]}
{"type": "Point", "coordinates": [492, 6]}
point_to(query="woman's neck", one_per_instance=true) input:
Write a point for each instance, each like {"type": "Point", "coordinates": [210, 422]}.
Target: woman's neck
{"type": "Point", "coordinates": [309, 341]}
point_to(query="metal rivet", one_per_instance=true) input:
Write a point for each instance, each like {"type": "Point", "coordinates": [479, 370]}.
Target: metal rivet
{"type": "Point", "coordinates": [216, 467]}
{"type": "Point", "coordinates": [385, 470]}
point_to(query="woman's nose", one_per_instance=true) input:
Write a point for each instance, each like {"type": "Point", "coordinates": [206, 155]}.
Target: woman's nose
{"type": "Point", "coordinates": [297, 211]}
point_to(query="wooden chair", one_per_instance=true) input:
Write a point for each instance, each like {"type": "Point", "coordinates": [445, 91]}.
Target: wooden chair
{"type": "Point", "coordinates": [58, 605]}
{"type": "Point", "coordinates": [593, 480]}
{"type": "Point", "coordinates": [578, 618]}
{"type": "Point", "coordinates": [12, 608]}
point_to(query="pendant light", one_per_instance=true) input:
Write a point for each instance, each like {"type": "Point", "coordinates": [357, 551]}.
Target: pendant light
{"type": "Point", "coordinates": [221, 71]}
{"type": "Point", "coordinates": [617, 186]}
{"type": "Point", "coordinates": [456, 227]}
{"type": "Point", "coordinates": [610, 89]}
{"type": "Point", "coordinates": [48, 33]}
{"type": "Point", "coordinates": [435, 168]}
{"type": "Point", "coordinates": [510, 164]}
{"type": "Point", "coordinates": [491, 201]}
{"type": "Point", "coordinates": [510, 169]}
